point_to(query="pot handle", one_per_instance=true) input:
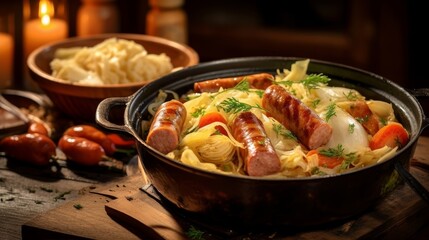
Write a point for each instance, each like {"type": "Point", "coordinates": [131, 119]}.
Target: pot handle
{"type": "Point", "coordinates": [103, 110]}
{"type": "Point", "coordinates": [412, 181]}
{"type": "Point", "coordinates": [421, 93]}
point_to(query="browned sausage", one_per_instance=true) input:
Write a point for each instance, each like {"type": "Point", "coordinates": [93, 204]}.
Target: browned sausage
{"type": "Point", "coordinates": [258, 81]}
{"type": "Point", "coordinates": [166, 126]}
{"type": "Point", "coordinates": [361, 112]}
{"type": "Point", "coordinates": [259, 156]}
{"type": "Point", "coordinates": [33, 148]}
{"type": "Point", "coordinates": [310, 129]}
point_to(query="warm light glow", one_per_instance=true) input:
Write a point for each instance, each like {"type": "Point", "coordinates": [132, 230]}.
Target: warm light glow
{"type": "Point", "coordinates": [46, 11]}
{"type": "Point", "coordinates": [46, 7]}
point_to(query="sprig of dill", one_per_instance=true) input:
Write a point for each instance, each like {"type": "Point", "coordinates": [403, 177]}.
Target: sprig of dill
{"type": "Point", "coordinates": [232, 105]}
{"type": "Point", "coordinates": [330, 111]}
{"type": "Point", "coordinates": [282, 131]}
{"type": "Point", "coordinates": [315, 80]}
{"type": "Point", "coordinates": [194, 234]}
{"type": "Point", "coordinates": [311, 81]}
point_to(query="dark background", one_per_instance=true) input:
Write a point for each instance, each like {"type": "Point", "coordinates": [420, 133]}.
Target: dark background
{"type": "Point", "coordinates": [387, 37]}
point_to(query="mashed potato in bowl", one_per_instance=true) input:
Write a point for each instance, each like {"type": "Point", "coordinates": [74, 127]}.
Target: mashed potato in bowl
{"type": "Point", "coordinates": [113, 61]}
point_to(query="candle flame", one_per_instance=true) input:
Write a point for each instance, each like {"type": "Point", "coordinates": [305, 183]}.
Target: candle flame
{"type": "Point", "coordinates": [46, 11]}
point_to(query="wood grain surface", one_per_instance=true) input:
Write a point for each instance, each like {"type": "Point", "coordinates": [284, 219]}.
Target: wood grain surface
{"type": "Point", "coordinates": [120, 210]}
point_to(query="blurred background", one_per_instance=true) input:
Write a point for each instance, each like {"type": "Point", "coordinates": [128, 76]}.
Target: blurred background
{"type": "Point", "coordinates": [382, 36]}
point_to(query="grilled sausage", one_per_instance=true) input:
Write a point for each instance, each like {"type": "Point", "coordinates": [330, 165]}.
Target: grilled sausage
{"type": "Point", "coordinates": [258, 81]}
{"type": "Point", "coordinates": [360, 111]}
{"type": "Point", "coordinates": [259, 156]}
{"type": "Point", "coordinates": [310, 129]}
{"type": "Point", "coordinates": [166, 126]}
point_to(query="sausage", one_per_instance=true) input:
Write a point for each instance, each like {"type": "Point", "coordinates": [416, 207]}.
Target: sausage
{"type": "Point", "coordinates": [259, 156]}
{"type": "Point", "coordinates": [81, 150]}
{"type": "Point", "coordinates": [166, 126]}
{"type": "Point", "coordinates": [258, 81]}
{"type": "Point", "coordinates": [310, 129]}
{"type": "Point", "coordinates": [38, 127]}
{"type": "Point", "coordinates": [360, 111]}
{"type": "Point", "coordinates": [32, 148]}
{"type": "Point", "coordinates": [93, 134]}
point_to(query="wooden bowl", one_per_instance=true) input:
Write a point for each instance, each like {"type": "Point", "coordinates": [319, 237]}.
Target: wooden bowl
{"type": "Point", "coordinates": [80, 101]}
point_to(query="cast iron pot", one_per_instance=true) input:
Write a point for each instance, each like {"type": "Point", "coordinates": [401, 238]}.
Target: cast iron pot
{"type": "Point", "coordinates": [252, 201]}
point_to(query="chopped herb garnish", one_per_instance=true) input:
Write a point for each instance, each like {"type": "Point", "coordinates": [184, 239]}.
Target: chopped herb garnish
{"type": "Point", "coordinates": [351, 128]}
{"type": "Point", "coordinates": [46, 189]}
{"type": "Point", "coordinates": [78, 206]}
{"type": "Point", "coordinates": [244, 85]}
{"type": "Point", "coordinates": [311, 81]}
{"type": "Point", "coordinates": [198, 112]}
{"type": "Point", "coordinates": [194, 233]}
{"type": "Point", "coordinates": [351, 95]}
{"type": "Point", "coordinates": [315, 80]}
{"type": "Point", "coordinates": [317, 171]}
{"type": "Point", "coordinates": [333, 152]}
{"type": "Point", "coordinates": [315, 103]}
{"type": "Point", "coordinates": [330, 111]}
{"type": "Point", "coordinates": [383, 121]}
{"type": "Point", "coordinates": [61, 195]}
{"type": "Point", "coordinates": [232, 105]}
{"type": "Point", "coordinates": [362, 119]}
{"type": "Point", "coordinates": [282, 131]}
{"type": "Point", "coordinates": [348, 160]}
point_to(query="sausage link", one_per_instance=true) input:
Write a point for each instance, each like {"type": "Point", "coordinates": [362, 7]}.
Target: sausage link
{"type": "Point", "coordinates": [166, 126]}
{"type": "Point", "coordinates": [311, 130]}
{"type": "Point", "coordinates": [81, 150]}
{"type": "Point", "coordinates": [259, 156]}
{"type": "Point", "coordinates": [33, 148]}
{"type": "Point", "coordinates": [258, 81]}
{"type": "Point", "coordinates": [93, 134]}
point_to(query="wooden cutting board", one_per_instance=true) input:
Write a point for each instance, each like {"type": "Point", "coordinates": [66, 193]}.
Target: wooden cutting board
{"type": "Point", "coordinates": [121, 210]}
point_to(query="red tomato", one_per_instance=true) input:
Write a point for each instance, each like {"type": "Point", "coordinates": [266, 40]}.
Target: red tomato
{"type": "Point", "coordinates": [211, 118]}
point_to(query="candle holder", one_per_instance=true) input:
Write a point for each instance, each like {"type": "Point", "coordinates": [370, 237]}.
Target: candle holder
{"type": "Point", "coordinates": [45, 21]}
{"type": "Point", "coordinates": [7, 47]}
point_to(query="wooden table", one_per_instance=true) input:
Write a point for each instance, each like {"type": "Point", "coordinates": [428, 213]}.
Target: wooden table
{"type": "Point", "coordinates": [47, 202]}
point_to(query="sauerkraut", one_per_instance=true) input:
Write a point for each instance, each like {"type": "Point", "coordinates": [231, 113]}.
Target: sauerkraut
{"type": "Point", "coordinates": [113, 61]}
{"type": "Point", "coordinates": [349, 146]}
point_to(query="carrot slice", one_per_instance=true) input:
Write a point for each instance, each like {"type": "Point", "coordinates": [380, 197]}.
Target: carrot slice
{"type": "Point", "coordinates": [213, 117]}
{"type": "Point", "coordinates": [392, 135]}
{"type": "Point", "coordinates": [326, 161]}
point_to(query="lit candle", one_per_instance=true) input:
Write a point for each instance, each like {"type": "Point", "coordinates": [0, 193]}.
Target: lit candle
{"type": "Point", "coordinates": [40, 31]}
{"type": "Point", "coordinates": [6, 59]}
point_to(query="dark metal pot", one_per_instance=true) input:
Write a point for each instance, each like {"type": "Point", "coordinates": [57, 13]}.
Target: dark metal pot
{"type": "Point", "coordinates": [251, 201]}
